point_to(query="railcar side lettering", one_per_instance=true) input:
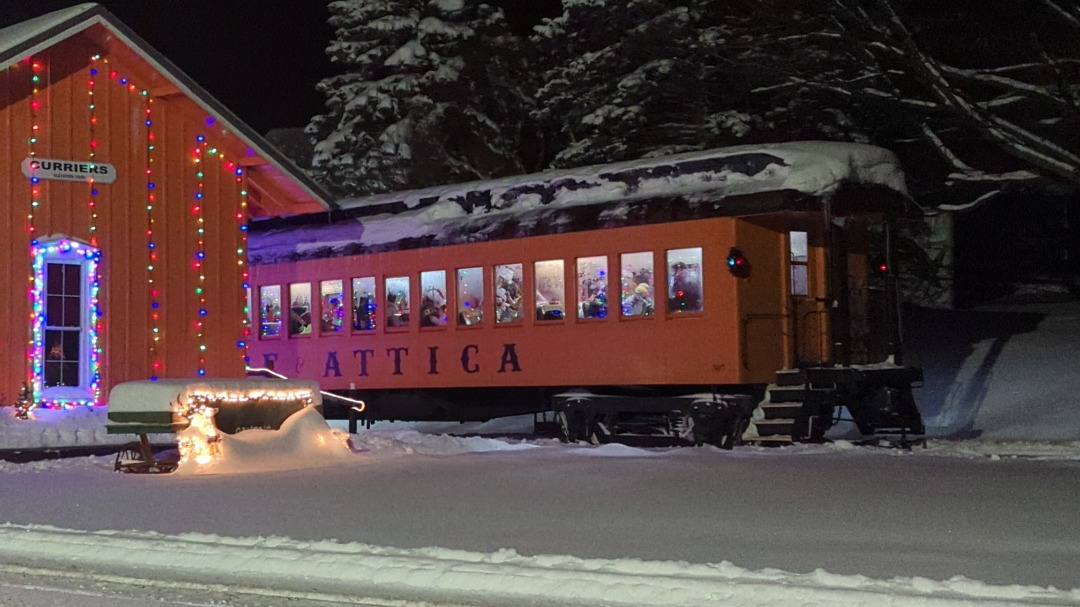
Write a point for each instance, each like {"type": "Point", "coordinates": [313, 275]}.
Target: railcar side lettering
{"type": "Point", "coordinates": [368, 361]}
{"type": "Point", "coordinates": [363, 360]}
{"type": "Point", "coordinates": [433, 360]}
{"type": "Point", "coordinates": [397, 358]}
{"type": "Point", "coordinates": [465, 359]}
{"type": "Point", "coordinates": [331, 365]}
{"type": "Point", "coordinates": [509, 357]}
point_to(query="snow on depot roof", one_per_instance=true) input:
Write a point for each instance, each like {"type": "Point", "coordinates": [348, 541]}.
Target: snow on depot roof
{"type": "Point", "coordinates": [17, 41]}
{"type": "Point", "coordinates": [22, 40]}
{"type": "Point", "coordinates": [578, 198]}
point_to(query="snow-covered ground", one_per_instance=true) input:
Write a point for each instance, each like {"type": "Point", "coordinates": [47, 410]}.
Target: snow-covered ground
{"type": "Point", "coordinates": [985, 514]}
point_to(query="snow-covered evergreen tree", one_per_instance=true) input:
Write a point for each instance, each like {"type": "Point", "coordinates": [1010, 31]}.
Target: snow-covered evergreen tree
{"type": "Point", "coordinates": [634, 78]}
{"type": "Point", "coordinates": [984, 99]}
{"type": "Point", "coordinates": [422, 98]}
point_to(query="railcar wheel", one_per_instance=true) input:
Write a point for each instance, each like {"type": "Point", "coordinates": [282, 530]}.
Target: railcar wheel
{"type": "Point", "coordinates": [577, 426]}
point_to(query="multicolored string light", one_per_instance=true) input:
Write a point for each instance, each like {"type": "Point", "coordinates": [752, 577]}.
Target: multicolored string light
{"type": "Point", "coordinates": [37, 74]}
{"type": "Point", "coordinates": [241, 261]}
{"type": "Point", "coordinates": [200, 252]}
{"type": "Point", "coordinates": [156, 364]}
{"type": "Point", "coordinates": [91, 201]}
{"type": "Point", "coordinates": [89, 257]}
{"type": "Point", "coordinates": [200, 153]}
{"type": "Point", "coordinates": [153, 250]}
{"type": "Point", "coordinates": [37, 69]}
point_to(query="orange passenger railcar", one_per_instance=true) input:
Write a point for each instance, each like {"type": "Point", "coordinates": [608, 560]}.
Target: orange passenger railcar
{"type": "Point", "coordinates": [673, 289]}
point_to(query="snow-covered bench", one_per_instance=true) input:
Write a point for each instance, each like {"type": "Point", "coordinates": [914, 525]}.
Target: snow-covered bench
{"type": "Point", "coordinates": [154, 407]}
{"type": "Point", "coordinates": [161, 407]}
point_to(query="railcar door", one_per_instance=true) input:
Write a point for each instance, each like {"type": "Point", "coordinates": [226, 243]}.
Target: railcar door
{"type": "Point", "coordinates": [868, 283]}
{"type": "Point", "coordinates": [860, 322]}
{"type": "Point", "coordinates": [807, 287]}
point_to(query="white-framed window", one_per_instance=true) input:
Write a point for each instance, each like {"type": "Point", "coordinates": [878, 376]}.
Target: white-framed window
{"type": "Point", "coordinates": [685, 289]}
{"type": "Point", "coordinates": [299, 309]}
{"type": "Point", "coordinates": [470, 296]}
{"type": "Point", "coordinates": [637, 296]}
{"type": "Point", "coordinates": [270, 311]}
{"type": "Point", "coordinates": [397, 301]}
{"type": "Point", "coordinates": [433, 299]}
{"type": "Point", "coordinates": [364, 304]}
{"type": "Point", "coordinates": [66, 361]}
{"type": "Point", "coordinates": [509, 293]}
{"type": "Point", "coordinates": [332, 306]}
{"type": "Point", "coordinates": [550, 289]}
{"type": "Point", "coordinates": [798, 255]}
{"type": "Point", "coordinates": [592, 277]}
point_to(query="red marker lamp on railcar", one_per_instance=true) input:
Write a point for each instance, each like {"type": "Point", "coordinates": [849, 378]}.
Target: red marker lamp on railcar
{"type": "Point", "coordinates": [737, 263]}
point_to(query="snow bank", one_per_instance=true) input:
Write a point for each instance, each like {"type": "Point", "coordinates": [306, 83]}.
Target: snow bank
{"type": "Point", "coordinates": [356, 572]}
{"type": "Point", "coordinates": [303, 441]}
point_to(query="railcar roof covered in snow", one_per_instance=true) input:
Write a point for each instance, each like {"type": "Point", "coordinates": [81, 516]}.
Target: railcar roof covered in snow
{"type": "Point", "coordinates": [740, 180]}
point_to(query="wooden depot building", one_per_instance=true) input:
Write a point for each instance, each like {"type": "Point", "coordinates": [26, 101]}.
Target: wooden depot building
{"type": "Point", "coordinates": [127, 189]}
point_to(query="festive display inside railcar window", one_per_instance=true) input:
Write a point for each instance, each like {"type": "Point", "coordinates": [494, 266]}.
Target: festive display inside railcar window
{"type": "Point", "coordinates": [270, 311]}
{"type": "Point", "coordinates": [433, 299]}
{"type": "Point", "coordinates": [638, 292]}
{"type": "Point", "coordinates": [684, 281]}
{"type": "Point", "coordinates": [550, 290]}
{"type": "Point", "coordinates": [364, 304]}
{"type": "Point", "coordinates": [592, 277]}
{"type": "Point", "coordinates": [332, 302]}
{"type": "Point", "coordinates": [300, 308]}
{"type": "Point", "coordinates": [397, 301]}
{"type": "Point", "coordinates": [509, 293]}
{"type": "Point", "coordinates": [470, 296]}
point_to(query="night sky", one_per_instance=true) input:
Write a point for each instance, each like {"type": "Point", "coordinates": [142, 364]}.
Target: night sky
{"type": "Point", "coordinates": [261, 59]}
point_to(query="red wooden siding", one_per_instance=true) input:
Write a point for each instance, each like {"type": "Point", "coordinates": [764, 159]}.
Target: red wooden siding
{"type": "Point", "coordinates": [122, 218]}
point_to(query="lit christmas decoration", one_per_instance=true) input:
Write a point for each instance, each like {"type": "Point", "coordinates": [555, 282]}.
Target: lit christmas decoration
{"type": "Point", "coordinates": [25, 405]}
{"type": "Point", "coordinates": [200, 441]}
{"type": "Point", "coordinates": [241, 261]}
{"type": "Point", "coordinates": [200, 252]}
{"type": "Point", "coordinates": [37, 70]}
{"type": "Point", "coordinates": [200, 152]}
{"type": "Point", "coordinates": [91, 201]}
{"type": "Point", "coordinates": [36, 356]}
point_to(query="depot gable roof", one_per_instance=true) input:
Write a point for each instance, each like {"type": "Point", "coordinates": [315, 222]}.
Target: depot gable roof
{"type": "Point", "coordinates": [24, 39]}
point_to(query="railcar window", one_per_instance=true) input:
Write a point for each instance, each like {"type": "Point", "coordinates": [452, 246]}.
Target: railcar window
{"type": "Point", "coordinates": [684, 280]}
{"type": "Point", "coordinates": [798, 255]}
{"type": "Point", "coordinates": [637, 289]}
{"type": "Point", "coordinates": [550, 289]}
{"type": "Point", "coordinates": [509, 294]}
{"type": "Point", "coordinates": [300, 308]}
{"type": "Point", "coordinates": [364, 304]}
{"type": "Point", "coordinates": [270, 311]}
{"type": "Point", "coordinates": [592, 277]}
{"type": "Point", "coordinates": [433, 299]}
{"type": "Point", "coordinates": [470, 296]}
{"type": "Point", "coordinates": [397, 301]}
{"type": "Point", "coordinates": [332, 305]}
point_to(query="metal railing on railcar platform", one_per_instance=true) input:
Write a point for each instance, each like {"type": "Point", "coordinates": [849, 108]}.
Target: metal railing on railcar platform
{"type": "Point", "coordinates": [355, 406]}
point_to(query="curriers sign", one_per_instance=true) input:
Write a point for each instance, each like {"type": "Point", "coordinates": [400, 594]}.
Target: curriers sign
{"type": "Point", "coordinates": [69, 170]}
